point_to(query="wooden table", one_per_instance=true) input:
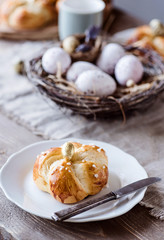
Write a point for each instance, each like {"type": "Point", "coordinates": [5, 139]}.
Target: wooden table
{"type": "Point", "coordinates": [136, 224]}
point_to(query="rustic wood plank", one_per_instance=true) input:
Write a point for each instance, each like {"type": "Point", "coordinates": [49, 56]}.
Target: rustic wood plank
{"type": "Point", "coordinates": [136, 224]}
{"type": "Point", "coordinates": [4, 235]}
{"type": "Point", "coordinates": [141, 224]}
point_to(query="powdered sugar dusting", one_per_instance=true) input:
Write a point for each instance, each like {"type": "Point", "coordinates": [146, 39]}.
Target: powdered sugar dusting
{"type": "Point", "coordinates": [43, 153]}
{"type": "Point", "coordinates": [96, 175]}
{"type": "Point", "coordinates": [99, 149]}
{"type": "Point", "coordinates": [61, 168]}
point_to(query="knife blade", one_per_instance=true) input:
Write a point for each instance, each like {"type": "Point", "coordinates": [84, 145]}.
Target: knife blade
{"type": "Point", "coordinates": [82, 207]}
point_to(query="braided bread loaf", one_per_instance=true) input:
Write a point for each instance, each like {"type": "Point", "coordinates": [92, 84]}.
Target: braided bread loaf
{"type": "Point", "coordinates": [27, 14]}
{"type": "Point", "coordinates": [71, 172]}
{"type": "Point", "coordinates": [143, 36]}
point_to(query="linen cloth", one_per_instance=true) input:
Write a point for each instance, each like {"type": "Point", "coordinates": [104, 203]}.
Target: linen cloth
{"type": "Point", "coordinates": [142, 135]}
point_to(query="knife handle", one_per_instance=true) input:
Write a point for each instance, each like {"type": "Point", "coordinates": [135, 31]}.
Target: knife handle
{"type": "Point", "coordinates": [82, 207]}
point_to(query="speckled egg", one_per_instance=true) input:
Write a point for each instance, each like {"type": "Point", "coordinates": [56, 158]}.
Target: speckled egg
{"type": "Point", "coordinates": [128, 67]}
{"type": "Point", "coordinates": [52, 57]}
{"type": "Point", "coordinates": [109, 56]}
{"type": "Point", "coordinates": [96, 82]}
{"type": "Point", "coordinates": [77, 68]}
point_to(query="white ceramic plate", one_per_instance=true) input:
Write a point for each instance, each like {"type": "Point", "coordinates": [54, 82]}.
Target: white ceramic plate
{"type": "Point", "coordinates": [18, 186]}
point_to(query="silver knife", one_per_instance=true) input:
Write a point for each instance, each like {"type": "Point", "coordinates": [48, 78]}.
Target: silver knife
{"type": "Point", "coordinates": [82, 207]}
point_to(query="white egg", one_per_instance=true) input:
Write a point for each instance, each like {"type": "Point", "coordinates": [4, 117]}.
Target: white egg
{"type": "Point", "coordinates": [54, 56]}
{"type": "Point", "coordinates": [96, 82]}
{"type": "Point", "coordinates": [77, 68]}
{"type": "Point", "coordinates": [109, 56]}
{"type": "Point", "coordinates": [128, 67]}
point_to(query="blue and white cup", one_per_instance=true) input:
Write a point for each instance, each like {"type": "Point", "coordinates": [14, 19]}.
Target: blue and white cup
{"type": "Point", "coordinates": [75, 16]}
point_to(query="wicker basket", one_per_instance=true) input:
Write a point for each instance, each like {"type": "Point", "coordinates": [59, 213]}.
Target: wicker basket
{"type": "Point", "coordinates": [124, 100]}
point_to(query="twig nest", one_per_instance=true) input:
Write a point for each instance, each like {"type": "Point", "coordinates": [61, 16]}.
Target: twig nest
{"type": "Point", "coordinates": [128, 67]}
{"type": "Point", "coordinates": [96, 82]}
{"type": "Point", "coordinates": [70, 44]}
{"type": "Point", "coordinates": [66, 94]}
{"type": "Point", "coordinates": [84, 51]}
{"type": "Point", "coordinates": [53, 57]}
{"type": "Point", "coordinates": [109, 57]}
{"type": "Point", "coordinates": [68, 150]}
{"type": "Point", "coordinates": [77, 68]}
{"type": "Point", "coordinates": [157, 27]}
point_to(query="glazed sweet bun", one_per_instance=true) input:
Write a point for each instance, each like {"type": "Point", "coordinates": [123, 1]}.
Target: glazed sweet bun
{"type": "Point", "coordinates": [145, 37]}
{"type": "Point", "coordinates": [71, 172]}
{"type": "Point", "coordinates": [158, 43]}
{"type": "Point", "coordinates": [140, 33]}
{"type": "Point", "coordinates": [27, 14]}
